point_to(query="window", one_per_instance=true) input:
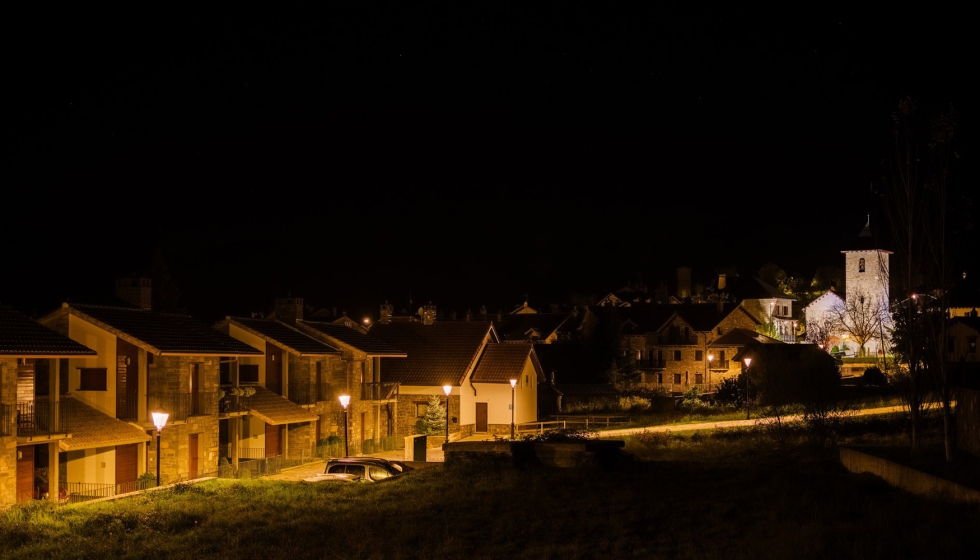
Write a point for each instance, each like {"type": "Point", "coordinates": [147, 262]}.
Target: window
{"type": "Point", "coordinates": [92, 379]}
{"type": "Point", "coordinates": [420, 408]}
{"type": "Point", "coordinates": [971, 344]}
{"type": "Point", "coordinates": [698, 378]}
{"type": "Point", "coordinates": [660, 378]}
{"type": "Point", "coordinates": [861, 265]}
{"type": "Point", "coordinates": [719, 331]}
{"type": "Point", "coordinates": [785, 311]}
{"type": "Point", "coordinates": [677, 355]}
{"type": "Point", "coordinates": [224, 373]}
{"type": "Point", "coordinates": [677, 378]}
{"type": "Point", "coordinates": [248, 373]}
{"type": "Point", "coordinates": [698, 355]}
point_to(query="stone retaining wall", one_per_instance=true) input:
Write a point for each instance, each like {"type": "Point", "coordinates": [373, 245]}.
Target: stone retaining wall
{"type": "Point", "coordinates": [907, 478]}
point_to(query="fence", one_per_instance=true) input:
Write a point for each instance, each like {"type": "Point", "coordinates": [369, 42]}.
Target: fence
{"type": "Point", "coordinates": [183, 405]}
{"type": "Point", "coordinates": [572, 422]}
{"type": "Point", "coordinates": [37, 418]}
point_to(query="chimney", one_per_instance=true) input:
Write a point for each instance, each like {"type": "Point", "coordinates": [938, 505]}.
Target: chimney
{"type": "Point", "coordinates": [428, 314]}
{"type": "Point", "coordinates": [452, 314]}
{"type": "Point", "coordinates": [289, 310]}
{"type": "Point", "coordinates": [684, 282]}
{"type": "Point", "coordinates": [722, 281]}
{"type": "Point", "coordinates": [136, 290]}
{"type": "Point", "coordinates": [469, 314]}
{"type": "Point", "coordinates": [483, 312]}
{"type": "Point", "coordinates": [385, 317]}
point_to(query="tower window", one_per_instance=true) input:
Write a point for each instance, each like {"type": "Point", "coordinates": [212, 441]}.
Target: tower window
{"type": "Point", "coordinates": [861, 265]}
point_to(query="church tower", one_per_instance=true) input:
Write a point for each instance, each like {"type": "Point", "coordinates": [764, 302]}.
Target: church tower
{"type": "Point", "coordinates": [866, 269]}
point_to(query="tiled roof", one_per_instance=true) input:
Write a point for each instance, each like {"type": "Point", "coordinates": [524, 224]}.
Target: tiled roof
{"type": "Point", "coordinates": [23, 337]}
{"type": "Point", "coordinates": [276, 410]}
{"type": "Point", "coordinates": [515, 327]}
{"type": "Point", "coordinates": [743, 337]}
{"type": "Point", "coordinates": [500, 363]}
{"type": "Point", "coordinates": [784, 353]}
{"type": "Point", "coordinates": [356, 339]}
{"type": "Point", "coordinates": [647, 318]}
{"type": "Point", "coordinates": [438, 354]}
{"type": "Point", "coordinates": [742, 288]}
{"type": "Point", "coordinates": [90, 428]}
{"type": "Point", "coordinates": [568, 362]}
{"type": "Point", "coordinates": [166, 333]}
{"type": "Point", "coordinates": [284, 335]}
{"type": "Point", "coordinates": [703, 317]}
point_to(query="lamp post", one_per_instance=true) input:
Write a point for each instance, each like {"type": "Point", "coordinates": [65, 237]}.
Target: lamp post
{"type": "Point", "coordinates": [159, 420]}
{"type": "Point", "coordinates": [344, 402]}
{"type": "Point", "coordinates": [513, 384]}
{"type": "Point", "coordinates": [747, 362]}
{"type": "Point", "coordinates": [447, 389]}
{"type": "Point", "coordinates": [707, 372]}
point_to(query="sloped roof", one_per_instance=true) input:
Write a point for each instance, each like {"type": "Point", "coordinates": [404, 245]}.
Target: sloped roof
{"type": "Point", "coordinates": [569, 362]}
{"type": "Point", "coordinates": [90, 428]}
{"type": "Point", "coordinates": [971, 322]}
{"type": "Point", "coordinates": [500, 363]}
{"type": "Point", "coordinates": [438, 354]}
{"type": "Point", "coordinates": [786, 352]}
{"type": "Point", "coordinates": [829, 294]}
{"type": "Point", "coordinates": [647, 318]}
{"type": "Point", "coordinates": [281, 334]}
{"type": "Point", "coordinates": [703, 317]}
{"type": "Point", "coordinates": [277, 410]}
{"type": "Point", "coordinates": [743, 337]}
{"type": "Point", "coordinates": [353, 338]}
{"type": "Point", "coordinates": [742, 288]}
{"type": "Point", "coordinates": [23, 337]}
{"type": "Point", "coordinates": [515, 327]}
{"type": "Point", "coordinates": [161, 333]}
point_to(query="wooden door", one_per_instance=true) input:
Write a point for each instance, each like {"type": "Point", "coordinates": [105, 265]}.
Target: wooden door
{"type": "Point", "coordinates": [272, 440]}
{"type": "Point", "coordinates": [273, 368]}
{"type": "Point", "coordinates": [481, 417]}
{"type": "Point", "coordinates": [25, 474]}
{"type": "Point", "coordinates": [126, 470]}
{"type": "Point", "coordinates": [192, 451]}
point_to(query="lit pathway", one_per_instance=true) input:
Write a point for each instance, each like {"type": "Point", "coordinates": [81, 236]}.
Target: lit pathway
{"type": "Point", "coordinates": [731, 423]}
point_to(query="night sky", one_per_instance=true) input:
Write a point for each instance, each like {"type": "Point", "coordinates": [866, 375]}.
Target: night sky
{"type": "Point", "coordinates": [461, 153]}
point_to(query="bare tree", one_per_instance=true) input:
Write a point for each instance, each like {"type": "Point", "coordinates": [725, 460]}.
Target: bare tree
{"type": "Point", "coordinates": [861, 316]}
{"type": "Point", "coordinates": [820, 329]}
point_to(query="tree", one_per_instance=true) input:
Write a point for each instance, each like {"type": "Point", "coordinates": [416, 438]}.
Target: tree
{"type": "Point", "coordinates": [862, 317]}
{"type": "Point", "coordinates": [435, 416]}
{"type": "Point", "coordinates": [820, 330]}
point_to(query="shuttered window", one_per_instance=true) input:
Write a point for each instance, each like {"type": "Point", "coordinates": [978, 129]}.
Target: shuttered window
{"type": "Point", "coordinates": [92, 379]}
{"type": "Point", "coordinates": [248, 373]}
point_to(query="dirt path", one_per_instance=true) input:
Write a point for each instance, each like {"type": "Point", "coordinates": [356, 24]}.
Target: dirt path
{"type": "Point", "coordinates": [730, 423]}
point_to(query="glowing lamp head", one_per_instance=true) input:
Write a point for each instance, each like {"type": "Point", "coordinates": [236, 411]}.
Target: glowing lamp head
{"type": "Point", "coordinates": [513, 383]}
{"type": "Point", "coordinates": [748, 362]}
{"type": "Point", "coordinates": [344, 401]}
{"type": "Point", "coordinates": [447, 389]}
{"type": "Point", "coordinates": [160, 419]}
{"type": "Point", "coordinates": [367, 321]}
{"type": "Point", "coordinates": [710, 357]}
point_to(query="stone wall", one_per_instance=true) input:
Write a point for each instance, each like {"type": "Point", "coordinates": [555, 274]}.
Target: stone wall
{"type": "Point", "coordinates": [8, 443]}
{"type": "Point", "coordinates": [299, 440]}
{"type": "Point", "coordinates": [907, 478]}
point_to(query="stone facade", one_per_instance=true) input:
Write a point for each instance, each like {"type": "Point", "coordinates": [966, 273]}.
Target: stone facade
{"type": "Point", "coordinates": [171, 374]}
{"type": "Point", "coordinates": [685, 357]}
{"type": "Point", "coordinates": [8, 441]}
{"type": "Point", "coordinates": [299, 440]}
{"type": "Point", "coordinates": [407, 415]}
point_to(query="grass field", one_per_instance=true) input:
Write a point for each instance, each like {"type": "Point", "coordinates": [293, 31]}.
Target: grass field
{"type": "Point", "coordinates": [723, 494]}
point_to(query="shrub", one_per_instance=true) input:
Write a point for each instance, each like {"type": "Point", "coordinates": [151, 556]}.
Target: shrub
{"type": "Point", "coordinates": [634, 403]}
{"type": "Point", "coordinates": [728, 392]}
{"type": "Point", "coordinates": [874, 376]}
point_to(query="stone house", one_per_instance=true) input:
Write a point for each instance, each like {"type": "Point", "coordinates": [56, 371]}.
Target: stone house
{"type": "Point", "coordinates": [146, 361]}
{"type": "Point", "coordinates": [468, 358]}
{"type": "Point", "coordinates": [672, 344]}
{"type": "Point", "coordinates": [292, 384]}
{"type": "Point", "coordinates": [37, 412]}
{"type": "Point", "coordinates": [372, 412]}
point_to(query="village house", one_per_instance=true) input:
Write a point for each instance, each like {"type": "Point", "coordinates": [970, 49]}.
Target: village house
{"type": "Point", "coordinates": [37, 412]}
{"type": "Point", "coordinates": [372, 412]}
{"type": "Point", "coordinates": [466, 357]}
{"type": "Point", "coordinates": [146, 362]}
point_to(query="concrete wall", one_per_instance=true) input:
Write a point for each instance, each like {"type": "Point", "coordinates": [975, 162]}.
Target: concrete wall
{"type": "Point", "coordinates": [906, 478]}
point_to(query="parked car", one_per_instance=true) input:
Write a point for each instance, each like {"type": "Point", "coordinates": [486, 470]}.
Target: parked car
{"type": "Point", "coordinates": [360, 469]}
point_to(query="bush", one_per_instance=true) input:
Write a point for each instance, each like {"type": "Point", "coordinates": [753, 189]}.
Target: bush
{"type": "Point", "coordinates": [634, 403]}
{"type": "Point", "coordinates": [874, 376]}
{"type": "Point", "coordinates": [728, 393]}
{"type": "Point", "coordinates": [330, 440]}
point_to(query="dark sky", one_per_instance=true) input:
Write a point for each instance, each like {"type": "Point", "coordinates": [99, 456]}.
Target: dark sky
{"type": "Point", "coordinates": [463, 153]}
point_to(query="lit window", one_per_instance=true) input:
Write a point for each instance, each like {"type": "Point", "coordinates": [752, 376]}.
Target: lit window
{"type": "Point", "coordinates": [420, 408]}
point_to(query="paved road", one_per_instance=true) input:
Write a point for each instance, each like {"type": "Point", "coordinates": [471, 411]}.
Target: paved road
{"type": "Point", "coordinates": [730, 423]}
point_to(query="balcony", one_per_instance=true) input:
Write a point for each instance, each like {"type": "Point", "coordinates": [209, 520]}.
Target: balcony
{"type": "Point", "coordinates": [234, 405]}
{"type": "Point", "coordinates": [720, 364]}
{"type": "Point", "coordinates": [182, 406]}
{"type": "Point", "coordinates": [127, 408]}
{"type": "Point", "coordinates": [651, 364]}
{"type": "Point", "coordinates": [379, 391]}
{"type": "Point", "coordinates": [41, 418]}
{"type": "Point", "coordinates": [676, 340]}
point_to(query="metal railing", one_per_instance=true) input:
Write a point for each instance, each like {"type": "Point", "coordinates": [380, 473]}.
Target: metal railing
{"type": "Point", "coordinates": [181, 406]}
{"type": "Point", "coordinates": [651, 364]}
{"type": "Point", "coordinates": [231, 404]}
{"type": "Point", "coordinates": [379, 391]}
{"type": "Point", "coordinates": [572, 422]}
{"type": "Point", "coordinates": [719, 364]}
{"type": "Point", "coordinates": [6, 420]}
{"type": "Point", "coordinates": [78, 492]}
{"type": "Point", "coordinates": [37, 417]}
{"type": "Point", "coordinates": [677, 339]}
{"type": "Point", "coordinates": [127, 408]}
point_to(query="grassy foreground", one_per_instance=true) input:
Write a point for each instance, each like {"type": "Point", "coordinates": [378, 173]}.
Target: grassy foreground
{"type": "Point", "coordinates": [723, 495]}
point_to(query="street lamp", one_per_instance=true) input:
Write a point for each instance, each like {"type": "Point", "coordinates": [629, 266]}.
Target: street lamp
{"type": "Point", "coordinates": [159, 420]}
{"type": "Point", "coordinates": [447, 389]}
{"type": "Point", "coordinates": [344, 401]}
{"type": "Point", "coordinates": [747, 362]}
{"type": "Point", "coordinates": [707, 372]}
{"type": "Point", "coordinates": [513, 384]}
